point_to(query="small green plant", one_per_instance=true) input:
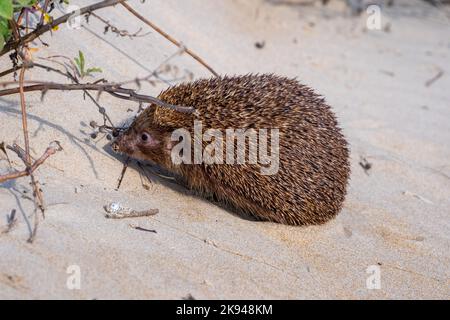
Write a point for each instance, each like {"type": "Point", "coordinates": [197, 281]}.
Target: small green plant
{"type": "Point", "coordinates": [80, 63]}
{"type": "Point", "coordinates": [7, 9]}
{"type": "Point", "coordinates": [6, 14]}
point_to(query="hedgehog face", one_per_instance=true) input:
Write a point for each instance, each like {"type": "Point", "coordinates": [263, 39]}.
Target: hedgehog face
{"type": "Point", "coordinates": [142, 143]}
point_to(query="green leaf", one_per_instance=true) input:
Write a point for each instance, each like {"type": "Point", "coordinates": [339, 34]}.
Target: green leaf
{"type": "Point", "coordinates": [77, 62]}
{"type": "Point", "coordinates": [94, 69]}
{"type": "Point", "coordinates": [19, 4]}
{"type": "Point", "coordinates": [81, 57]}
{"type": "Point", "coordinates": [2, 42]}
{"type": "Point", "coordinates": [5, 32]}
{"type": "Point", "coordinates": [6, 9]}
{"type": "Point", "coordinates": [81, 63]}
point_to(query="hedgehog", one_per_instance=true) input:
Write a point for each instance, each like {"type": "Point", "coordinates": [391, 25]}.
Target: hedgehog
{"type": "Point", "coordinates": [309, 154]}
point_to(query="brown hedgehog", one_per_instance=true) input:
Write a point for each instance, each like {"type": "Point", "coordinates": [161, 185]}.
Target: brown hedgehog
{"type": "Point", "coordinates": [308, 185]}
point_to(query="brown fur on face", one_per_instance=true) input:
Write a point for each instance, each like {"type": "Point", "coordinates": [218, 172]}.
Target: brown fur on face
{"type": "Point", "coordinates": [145, 141]}
{"type": "Point", "coordinates": [314, 169]}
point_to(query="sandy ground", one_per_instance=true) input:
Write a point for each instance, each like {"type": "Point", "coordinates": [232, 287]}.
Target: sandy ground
{"type": "Point", "coordinates": [396, 216]}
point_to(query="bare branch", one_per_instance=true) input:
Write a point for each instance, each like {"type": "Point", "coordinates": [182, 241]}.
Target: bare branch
{"type": "Point", "coordinates": [13, 69]}
{"type": "Point", "coordinates": [51, 150]}
{"type": "Point", "coordinates": [24, 116]}
{"type": "Point", "coordinates": [168, 37]}
{"type": "Point", "coordinates": [119, 32]}
{"type": "Point", "coordinates": [113, 89]}
{"type": "Point", "coordinates": [122, 174]}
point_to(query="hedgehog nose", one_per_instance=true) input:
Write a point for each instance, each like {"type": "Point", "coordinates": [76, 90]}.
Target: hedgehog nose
{"type": "Point", "coordinates": [123, 144]}
{"type": "Point", "coordinates": [115, 146]}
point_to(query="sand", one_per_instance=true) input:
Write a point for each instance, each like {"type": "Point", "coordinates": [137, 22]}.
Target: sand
{"type": "Point", "coordinates": [396, 216]}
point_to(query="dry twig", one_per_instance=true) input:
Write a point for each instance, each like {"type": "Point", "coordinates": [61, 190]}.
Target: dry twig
{"type": "Point", "coordinates": [119, 32]}
{"type": "Point", "coordinates": [434, 79]}
{"type": "Point", "coordinates": [115, 210]}
{"type": "Point", "coordinates": [51, 150]}
{"type": "Point", "coordinates": [28, 171]}
{"type": "Point", "coordinates": [168, 37]}
{"type": "Point", "coordinates": [37, 195]}
{"type": "Point", "coordinates": [111, 88]}
{"type": "Point", "coordinates": [122, 174]}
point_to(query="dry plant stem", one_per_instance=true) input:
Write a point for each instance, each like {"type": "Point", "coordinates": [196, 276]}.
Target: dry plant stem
{"type": "Point", "coordinates": [115, 210]}
{"type": "Point", "coordinates": [122, 174]}
{"type": "Point", "coordinates": [24, 117]}
{"type": "Point", "coordinates": [47, 27]}
{"type": "Point", "coordinates": [19, 151]}
{"type": "Point", "coordinates": [13, 69]}
{"type": "Point", "coordinates": [73, 78]}
{"type": "Point", "coordinates": [51, 150]}
{"type": "Point", "coordinates": [129, 213]}
{"type": "Point", "coordinates": [435, 78]}
{"type": "Point", "coordinates": [37, 195]}
{"type": "Point", "coordinates": [114, 29]}
{"type": "Point", "coordinates": [142, 229]}
{"type": "Point", "coordinates": [38, 199]}
{"type": "Point", "coordinates": [15, 31]}
{"type": "Point", "coordinates": [122, 93]}
{"type": "Point", "coordinates": [154, 73]}
{"type": "Point", "coordinates": [168, 37]}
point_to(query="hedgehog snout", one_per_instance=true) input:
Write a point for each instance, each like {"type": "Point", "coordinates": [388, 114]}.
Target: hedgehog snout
{"type": "Point", "coordinates": [123, 144]}
{"type": "Point", "coordinates": [115, 146]}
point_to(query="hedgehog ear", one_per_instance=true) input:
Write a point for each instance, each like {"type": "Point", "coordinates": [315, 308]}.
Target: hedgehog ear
{"type": "Point", "coordinates": [170, 144]}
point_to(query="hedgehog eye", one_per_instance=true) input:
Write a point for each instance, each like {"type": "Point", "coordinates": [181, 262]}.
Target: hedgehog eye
{"type": "Point", "coordinates": [145, 137]}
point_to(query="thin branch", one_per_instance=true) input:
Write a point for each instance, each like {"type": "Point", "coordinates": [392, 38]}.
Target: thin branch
{"type": "Point", "coordinates": [435, 78]}
{"type": "Point", "coordinates": [37, 195]}
{"type": "Point", "coordinates": [74, 79]}
{"type": "Point", "coordinates": [24, 116]}
{"type": "Point", "coordinates": [119, 32]}
{"type": "Point", "coordinates": [168, 37]}
{"type": "Point", "coordinates": [11, 70]}
{"type": "Point", "coordinates": [51, 150]}
{"type": "Point", "coordinates": [122, 174]}
{"type": "Point", "coordinates": [113, 89]}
